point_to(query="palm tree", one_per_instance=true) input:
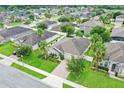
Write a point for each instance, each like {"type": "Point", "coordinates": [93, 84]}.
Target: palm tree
{"type": "Point", "coordinates": [95, 38]}
{"type": "Point", "coordinates": [100, 53]}
{"type": "Point", "coordinates": [43, 47]}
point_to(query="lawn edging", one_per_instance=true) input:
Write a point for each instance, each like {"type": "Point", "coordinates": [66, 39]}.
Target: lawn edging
{"type": "Point", "coordinates": [27, 70]}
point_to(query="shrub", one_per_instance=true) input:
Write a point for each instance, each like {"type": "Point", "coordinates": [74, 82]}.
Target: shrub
{"type": "Point", "coordinates": [23, 51]}
{"type": "Point", "coordinates": [61, 56]}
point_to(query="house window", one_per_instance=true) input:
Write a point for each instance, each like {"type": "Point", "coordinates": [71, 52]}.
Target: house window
{"type": "Point", "coordinates": [106, 64]}
{"type": "Point", "coordinates": [113, 67]}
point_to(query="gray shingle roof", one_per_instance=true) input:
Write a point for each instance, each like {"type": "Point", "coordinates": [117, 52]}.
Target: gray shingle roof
{"type": "Point", "coordinates": [115, 52]}
{"type": "Point", "coordinates": [87, 26]}
{"type": "Point", "coordinates": [33, 38]}
{"type": "Point", "coordinates": [10, 32]}
{"type": "Point", "coordinates": [75, 46]}
{"type": "Point", "coordinates": [48, 22]}
{"type": "Point", "coordinates": [117, 32]}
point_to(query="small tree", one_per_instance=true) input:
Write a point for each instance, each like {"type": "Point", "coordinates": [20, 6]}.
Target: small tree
{"type": "Point", "coordinates": [61, 56]}
{"type": "Point", "coordinates": [43, 47]}
{"type": "Point", "coordinates": [32, 17]}
{"type": "Point", "coordinates": [102, 32]}
{"type": "Point", "coordinates": [40, 32]}
{"type": "Point", "coordinates": [1, 25]}
{"type": "Point", "coordinates": [24, 51]}
{"type": "Point", "coordinates": [68, 29]}
{"type": "Point", "coordinates": [75, 66]}
{"type": "Point", "coordinates": [64, 19]}
{"type": "Point", "coordinates": [48, 15]}
{"type": "Point", "coordinates": [79, 33]}
{"type": "Point", "coordinates": [42, 26]}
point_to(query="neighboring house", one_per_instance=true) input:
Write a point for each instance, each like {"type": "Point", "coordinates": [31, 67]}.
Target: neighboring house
{"type": "Point", "coordinates": [86, 27]}
{"type": "Point", "coordinates": [13, 33]}
{"type": "Point", "coordinates": [118, 34]}
{"type": "Point", "coordinates": [56, 28]}
{"type": "Point", "coordinates": [49, 23]}
{"type": "Point", "coordinates": [33, 39]}
{"type": "Point", "coordinates": [69, 47]}
{"type": "Point", "coordinates": [120, 19]}
{"type": "Point", "coordinates": [114, 58]}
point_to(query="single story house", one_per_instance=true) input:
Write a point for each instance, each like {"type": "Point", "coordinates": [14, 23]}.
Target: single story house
{"type": "Point", "coordinates": [69, 47]}
{"type": "Point", "coordinates": [117, 34]}
{"type": "Point", "coordinates": [49, 22]}
{"type": "Point", "coordinates": [120, 19]}
{"type": "Point", "coordinates": [13, 33]}
{"type": "Point", "coordinates": [33, 39]}
{"type": "Point", "coordinates": [86, 27]}
{"type": "Point", "coordinates": [114, 59]}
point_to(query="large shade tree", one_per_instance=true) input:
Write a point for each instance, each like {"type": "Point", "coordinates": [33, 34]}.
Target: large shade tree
{"type": "Point", "coordinates": [103, 32]}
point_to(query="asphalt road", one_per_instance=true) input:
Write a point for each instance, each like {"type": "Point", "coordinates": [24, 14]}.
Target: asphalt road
{"type": "Point", "coordinates": [12, 78]}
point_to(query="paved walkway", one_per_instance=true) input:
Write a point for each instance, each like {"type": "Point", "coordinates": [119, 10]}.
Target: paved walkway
{"type": "Point", "coordinates": [88, 58]}
{"type": "Point", "coordinates": [51, 79]}
{"type": "Point", "coordinates": [61, 70]}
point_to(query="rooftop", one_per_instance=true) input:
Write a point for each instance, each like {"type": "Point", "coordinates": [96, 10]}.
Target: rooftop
{"type": "Point", "coordinates": [74, 46]}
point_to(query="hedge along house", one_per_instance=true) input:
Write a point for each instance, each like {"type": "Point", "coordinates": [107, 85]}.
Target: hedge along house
{"type": "Point", "coordinates": [118, 34]}
{"type": "Point", "coordinates": [114, 59]}
{"type": "Point", "coordinates": [69, 47]}
{"type": "Point", "coordinates": [13, 33]}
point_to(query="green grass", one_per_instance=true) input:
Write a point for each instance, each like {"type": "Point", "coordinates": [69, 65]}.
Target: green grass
{"type": "Point", "coordinates": [95, 79]}
{"type": "Point", "coordinates": [7, 48]}
{"type": "Point", "coordinates": [1, 58]}
{"type": "Point", "coordinates": [90, 52]}
{"type": "Point", "coordinates": [16, 23]}
{"type": "Point", "coordinates": [26, 70]}
{"type": "Point", "coordinates": [67, 86]}
{"type": "Point", "coordinates": [34, 60]}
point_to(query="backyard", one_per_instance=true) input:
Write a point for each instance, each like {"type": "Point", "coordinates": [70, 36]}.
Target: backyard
{"type": "Point", "coordinates": [7, 48]}
{"type": "Point", "coordinates": [95, 79]}
{"type": "Point", "coordinates": [45, 64]}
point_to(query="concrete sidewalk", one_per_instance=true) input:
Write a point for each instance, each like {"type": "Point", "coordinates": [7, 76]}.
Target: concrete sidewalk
{"type": "Point", "coordinates": [51, 79]}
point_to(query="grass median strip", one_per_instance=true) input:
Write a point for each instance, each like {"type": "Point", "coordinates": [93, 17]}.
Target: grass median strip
{"type": "Point", "coordinates": [26, 70]}
{"type": "Point", "coordinates": [67, 86]}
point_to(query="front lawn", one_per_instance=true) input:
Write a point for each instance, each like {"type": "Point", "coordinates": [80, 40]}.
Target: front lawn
{"type": "Point", "coordinates": [67, 86]}
{"type": "Point", "coordinates": [95, 79]}
{"type": "Point", "coordinates": [90, 52]}
{"type": "Point", "coordinates": [35, 60]}
{"type": "Point", "coordinates": [7, 48]}
{"type": "Point", "coordinates": [26, 70]}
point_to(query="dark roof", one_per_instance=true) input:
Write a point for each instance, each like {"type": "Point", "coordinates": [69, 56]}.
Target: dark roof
{"type": "Point", "coordinates": [56, 28]}
{"type": "Point", "coordinates": [10, 32]}
{"type": "Point", "coordinates": [75, 46]}
{"type": "Point", "coordinates": [117, 32]}
{"type": "Point", "coordinates": [33, 38]}
{"type": "Point", "coordinates": [115, 52]}
{"type": "Point", "coordinates": [48, 22]}
{"type": "Point", "coordinates": [87, 26]}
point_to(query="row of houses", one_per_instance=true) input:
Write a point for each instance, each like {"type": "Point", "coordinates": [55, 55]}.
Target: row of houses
{"type": "Point", "coordinates": [23, 35]}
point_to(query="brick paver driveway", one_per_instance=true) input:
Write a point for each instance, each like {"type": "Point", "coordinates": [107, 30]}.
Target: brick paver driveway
{"type": "Point", "coordinates": [12, 78]}
{"type": "Point", "coordinates": [61, 70]}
